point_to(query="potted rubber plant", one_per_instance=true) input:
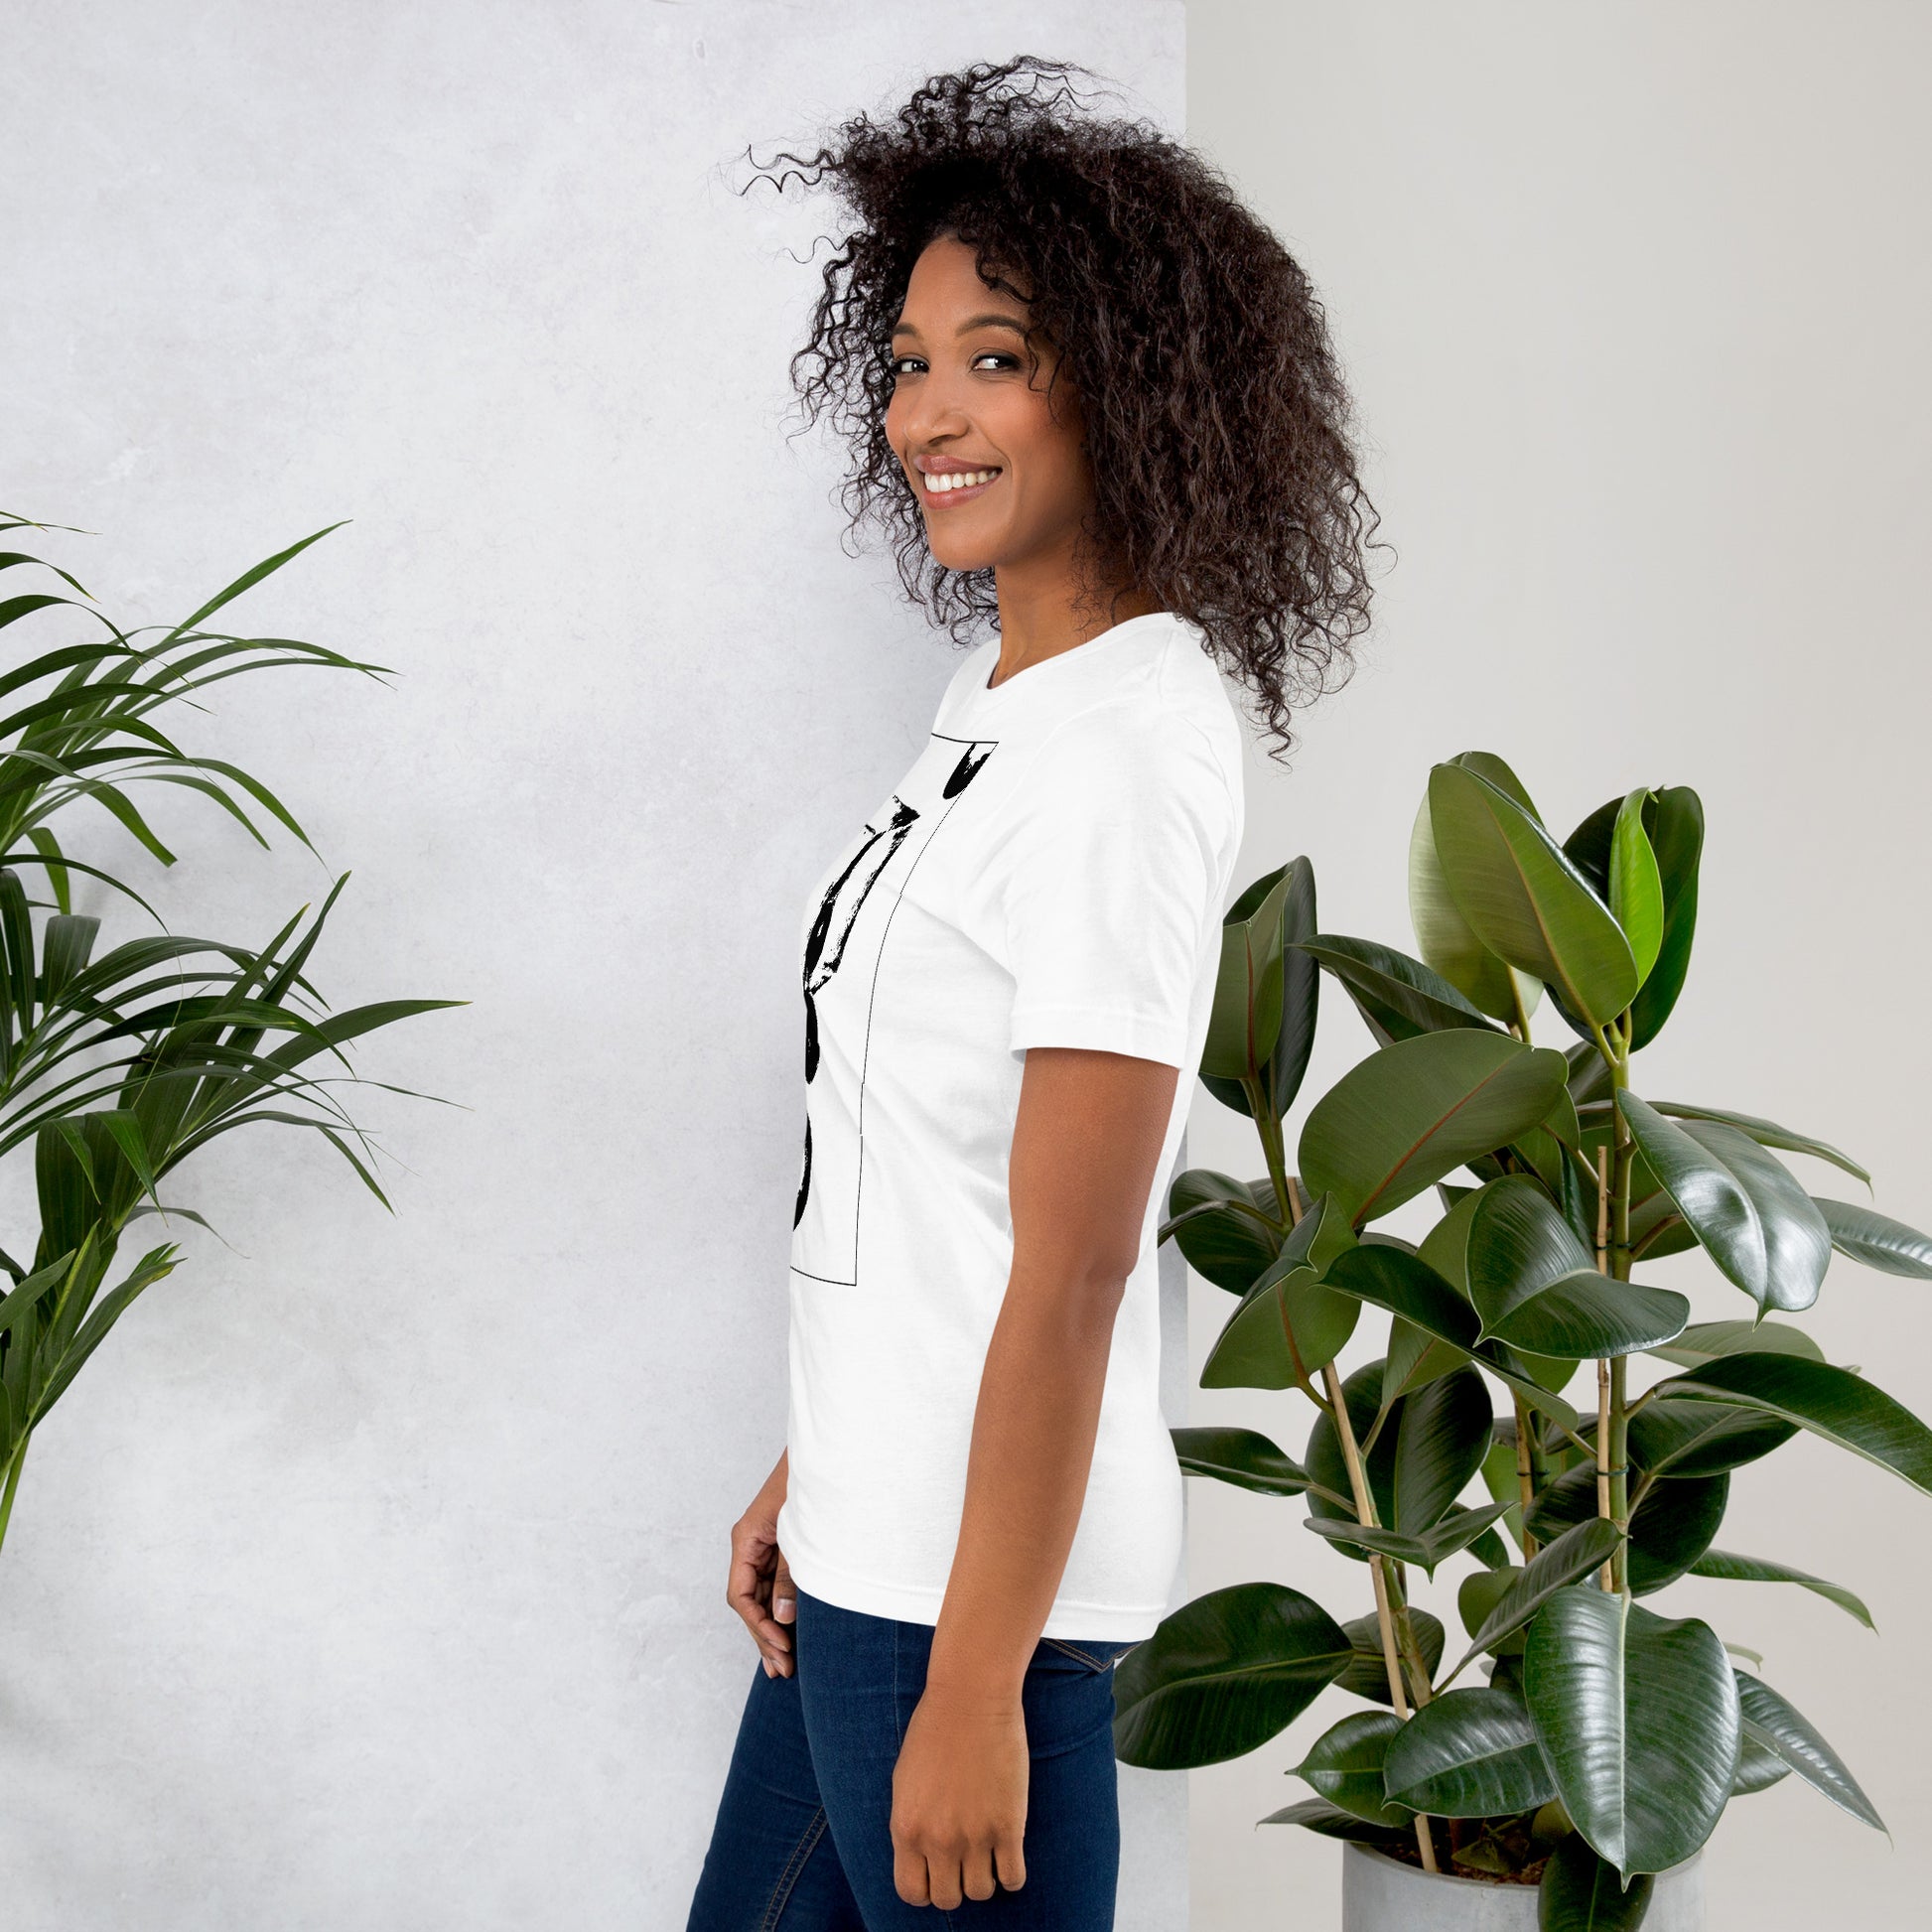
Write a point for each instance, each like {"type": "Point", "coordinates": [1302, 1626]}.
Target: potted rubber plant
{"type": "Point", "coordinates": [1537, 1414]}
{"type": "Point", "coordinates": [118, 1064]}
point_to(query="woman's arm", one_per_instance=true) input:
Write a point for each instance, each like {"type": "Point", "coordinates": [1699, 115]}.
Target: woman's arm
{"type": "Point", "coordinates": [1085, 1144]}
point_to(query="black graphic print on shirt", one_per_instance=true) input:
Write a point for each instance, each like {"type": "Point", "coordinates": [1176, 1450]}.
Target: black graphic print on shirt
{"type": "Point", "coordinates": [841, 968]}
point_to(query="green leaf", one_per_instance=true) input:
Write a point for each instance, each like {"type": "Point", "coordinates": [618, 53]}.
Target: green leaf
{"type": "Point", "coordinates": [1636, 889]}
{"type": "Point", "coordinates": [1589, 1314]}
{"type": "Point", "coordinates": [1406, 1286]}
{"type": "Point", "coordinates": [73, 1355]}
{"type": "Point", "coordinates": [1362, 1393]}
{"type": "Point", "coordinates": [1537, 1287]}
{"type": "Point", "coordinates": [1480, 1591]}
{"type": "Point", "coordinates": [1445, 938]}
{"type": "Point", "coordinates": [1441, 1441]}
{"type": "Point", "coordinates": [1638, 1717]}
{"type": "Point", "coordinates": [1414, 1359]}
{"type": "Point", "coordinates": [1701, 1439]}
{"type": "Point", "coordinates": [1400, 995]}
{"type": "Point", "coordinates": [1830, 1402]}
{"type": "Point", "coordinates": [1876, 1240]}
{"type": "Point", "coordinates": [1578, 1551]}
{"type": "Point", "coordinates": [1470, 1753]}
{"type": "Point", "coordinates": [125, 1131]}
{"type": "Point", "coordinates": [1797, 1242]}
{"type": "Point", "coordinates": [1453, 1534]}
{"type": "Point", "coordinates": [1517, 1245]}
{"type": "Point", "coordinates": [1674, 823]}
{"type": "Point", "coordinates": [1523, 898]}
{"type": "Point", "coordinates": [1367, 1675]}
{"type": "Point", "coordinates": [1345, 1764]}
{"type": "Point", "coordinates": [26, 1295]}
{"type": "Point", "coordinates": [1224, 1675]}
{"type": "Point", "coordinates": [1286, 1065]}
{"type": "Point", "coordinates": [1766, 1133]}
{"type": "Point", "coordinates": [1242, 1457]}
{"type": "Point", "coordinates": [1418, 1110]}
{"type": "Point", "coordinates": [1759, 1767]}
{"type": "Point", "coordinates": [1773, 1722]}
{"type": "Point", "coordinates": [1753, 1220]}
{"type": "Point", "coordinates": [1498, 771]}
{"type": "Point", "coordinates": [1706, 1341]}
{"type": "Point", "coordinates": [1318, 1815]}
{"type": "Point", "coordinates": [1225, 1236]}
{"type": "Point", "coordinates": [66, 942]}
{"type": "Point", "coordinates": [1669, 1529]}
{"type": "Point", "coordinates": [247, 580]}
{"type": "Point", "coordinates": [1288, 1301]}
{"type": "Point", "coordinates": [1245, 1021]}
{"type": "Point", "coordinates": [1580, 1893]}
{"type": "Point", "coordinates": [1725, 1566]}
{"type": "Point", "coordinates": [1445, 1247]}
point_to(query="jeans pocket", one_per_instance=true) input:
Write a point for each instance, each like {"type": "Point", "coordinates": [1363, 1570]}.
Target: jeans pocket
{"type": "Point", "coordinates": [1064, 1653]}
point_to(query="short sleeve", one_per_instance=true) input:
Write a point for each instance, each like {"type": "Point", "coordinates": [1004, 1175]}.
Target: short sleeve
{"type": "Point", "coordinates": [1108, 880]}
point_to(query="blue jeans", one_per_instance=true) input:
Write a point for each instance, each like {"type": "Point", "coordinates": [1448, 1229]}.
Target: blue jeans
{"type": "Point", "coordinates": [803, 1837]}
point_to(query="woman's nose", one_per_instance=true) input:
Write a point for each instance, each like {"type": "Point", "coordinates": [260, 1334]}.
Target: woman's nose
{"type": "Point", "coordinates": [933, 412]}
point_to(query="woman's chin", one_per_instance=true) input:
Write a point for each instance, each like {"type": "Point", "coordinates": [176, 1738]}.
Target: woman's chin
{"type": "Point", "coordinates": [960, 556]}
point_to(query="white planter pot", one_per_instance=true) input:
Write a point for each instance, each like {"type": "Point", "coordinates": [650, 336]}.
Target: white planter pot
{"type": "Point", "coordinates": [1382, 1894]}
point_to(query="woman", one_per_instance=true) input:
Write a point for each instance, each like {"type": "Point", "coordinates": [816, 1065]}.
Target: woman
{"type": "Point", "coordinates": [1091, 400]}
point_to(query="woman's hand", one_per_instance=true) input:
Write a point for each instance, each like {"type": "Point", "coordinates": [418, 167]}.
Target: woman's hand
{"type": "Point", "coordinates": [759, 1586]}
{"type": "Point", "coordinates": [959, 1798]}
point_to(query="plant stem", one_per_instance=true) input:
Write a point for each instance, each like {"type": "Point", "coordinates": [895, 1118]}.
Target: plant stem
{"type": "Point", "coordinates": [1405, 1642]}
{"type": "Point", "coordinates": [1384, 1611]}
{"type": "Point", "coordinates": [1619, 1475]}
{"type": "Point", "coordinates": [1522, 1017]}
{"type": "Point", "coordinates": [1614, 1416]}
{"type": "Point", "coordinates": [1606, 1506]}
{"type": "Point", "coordinates": [1608, 1575]}
{"type": "Point", "coordinates": [1525, 1477]}
{"type": "Point", "coordinates": [1649, 1395]}
{"type": "Point", "coordinates": [1268, 1124]}
{"type": "Point", "coordinates": [13, 1483]}
{"type": "Point", "coordinates": [1297, 1368]}
{"type": "Point", "coordinates": [1288, 1192]}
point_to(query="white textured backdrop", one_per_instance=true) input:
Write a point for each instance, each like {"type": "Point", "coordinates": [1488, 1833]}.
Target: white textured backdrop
{"type": "Point", "coordinates": [371, 1575]}
{"type": "Point", "coordinates": [1636, 300]}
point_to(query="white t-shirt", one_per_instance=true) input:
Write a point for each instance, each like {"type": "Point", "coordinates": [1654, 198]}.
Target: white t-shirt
{"type": "Point", "coordinates": [1052, 872]}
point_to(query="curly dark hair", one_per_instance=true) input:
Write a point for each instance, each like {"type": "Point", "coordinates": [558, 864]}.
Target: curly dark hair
{"type": "Point", "coordinates": [1216, 419]}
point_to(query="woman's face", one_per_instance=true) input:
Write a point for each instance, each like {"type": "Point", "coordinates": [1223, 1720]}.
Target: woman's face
{"type": "Point", "coordinates": [969, 400]}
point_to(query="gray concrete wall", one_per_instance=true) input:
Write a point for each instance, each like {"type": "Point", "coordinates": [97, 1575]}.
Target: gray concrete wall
{"type": "Point", "coordinates": [1636, 300]}
{"type": "Point", "coordinates": [373, 1574]}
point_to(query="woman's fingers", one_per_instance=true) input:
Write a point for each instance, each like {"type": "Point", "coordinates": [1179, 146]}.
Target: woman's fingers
{"type": "Point", "coordinates": [976, 1876]}
{"type": "Point", "coordinates": [910, 1877]}
{"type": "Point", "coordinates": [747, 1591]}
{"type": "Point", "coordinates": [1010, 1862]}
{"type": "Point", "coordinates": [942, 1883]}
{"type": "Point", "coordinates": [785, 1598]}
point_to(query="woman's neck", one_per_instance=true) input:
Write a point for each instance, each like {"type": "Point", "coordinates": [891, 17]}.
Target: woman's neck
{"type": "Point", "coordinates": [1043, 613]}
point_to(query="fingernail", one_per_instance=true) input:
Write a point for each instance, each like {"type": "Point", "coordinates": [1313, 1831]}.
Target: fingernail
{"type": "Point", "coordinates": [769, 1670]}
{"type": "Point", "coordinates": [786, 1609]}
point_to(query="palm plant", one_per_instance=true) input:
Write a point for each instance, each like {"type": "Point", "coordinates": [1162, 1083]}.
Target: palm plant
{"type": "Point", "coordinates": [116, 1065]}
{"type": "Point", "coordinates": [1608, 1737]}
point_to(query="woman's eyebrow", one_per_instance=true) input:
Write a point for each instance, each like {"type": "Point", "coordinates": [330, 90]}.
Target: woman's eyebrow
{"type": "Point", "coordinates": [972, 321]}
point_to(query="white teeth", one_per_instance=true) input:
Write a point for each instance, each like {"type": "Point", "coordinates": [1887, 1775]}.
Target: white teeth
{"type": "Point", "coordinates": [942, 481]}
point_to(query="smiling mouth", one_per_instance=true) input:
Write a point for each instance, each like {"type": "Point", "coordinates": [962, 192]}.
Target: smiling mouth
{"type": "Point", "coordinates": [949, 487]}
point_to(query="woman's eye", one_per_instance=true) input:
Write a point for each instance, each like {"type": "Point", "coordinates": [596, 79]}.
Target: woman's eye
{"type": "Point", "coordinates": [896, 365]}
